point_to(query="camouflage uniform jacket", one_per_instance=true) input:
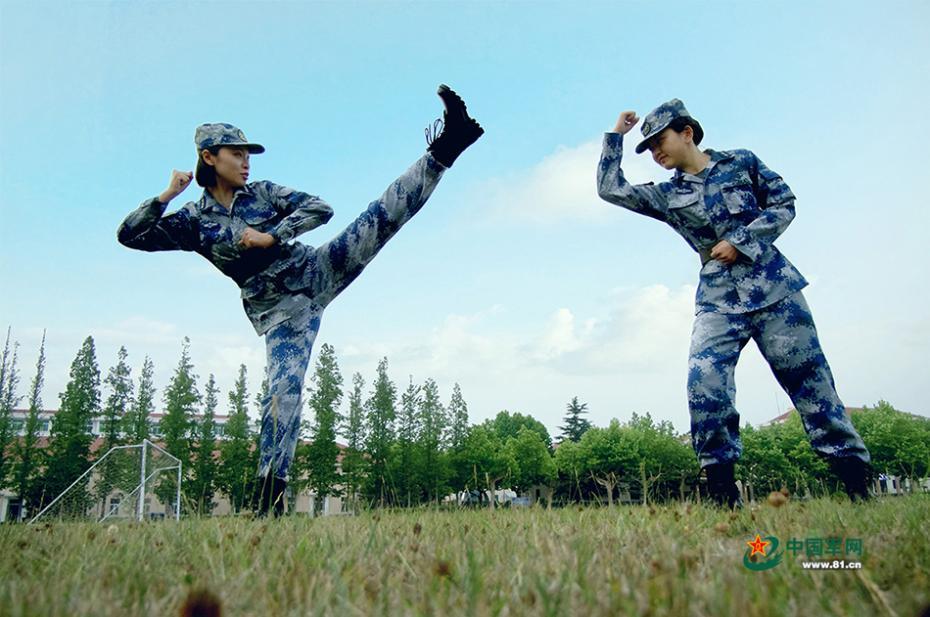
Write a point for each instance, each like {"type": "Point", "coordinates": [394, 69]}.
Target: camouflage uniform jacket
{"type": "Point", "coordinates": [740, 200]}
{"type": "Point", "coordinates": [272, 280]}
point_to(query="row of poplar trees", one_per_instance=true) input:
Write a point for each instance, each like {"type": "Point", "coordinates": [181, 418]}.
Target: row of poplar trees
{"type": "Point", "coordinates": [401, 446]}
{"type": "Point", "coordinates": [37, 470]}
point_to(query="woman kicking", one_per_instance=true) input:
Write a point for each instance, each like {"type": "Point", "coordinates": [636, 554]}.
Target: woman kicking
{"type": "Point", "coordinates": [246, 229]}
{"type": "Point", "coordinates": [729, 207]}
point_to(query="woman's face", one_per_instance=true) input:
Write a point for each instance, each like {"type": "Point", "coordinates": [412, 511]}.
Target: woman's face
{"type": "Point", "coordinates": [231, 164]}
{"type": "Point", "coordinates": [670, 149]}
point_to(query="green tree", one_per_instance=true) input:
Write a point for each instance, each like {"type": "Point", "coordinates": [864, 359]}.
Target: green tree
{"type": "Point", "coordinates": [323, 452]}
{"type": "Point", "coordinates": [406, 467]}
{"type": "Point", "coordinates": [608, 457]}
{"type": "Point", "coordinates": [380, 433]}
{"type": "Point", "coordinates": [575, 425]}
{"type": "Point", "coordinates": [112, 425]}
{"type": "Point", "coordinates": [898, 442]}
{"type": "Point", "coordinates": [458, 419]}
{"type": "Point", "coordinates": [256, 427]}
{"type": "Point", "coordinates": [506, 425]}
{"type": "Point", "coordinates": [181, 400]}
{"type": "Point", "coordinates": [70, 440]}
{"type": "Point", "coordinates": [9, 382]}
{"type": "Point", "coordinates": [484, 457]}
{"type": "Point", "coordinates": [779, 456]}
{"type": "Point", "coordinates": [137, 420]}
{"type": "Point", "coordinates": [459, 474]}
{"type": "Point", "coordinates": [570, 465]}
{"type": "Point", "coordinates": [238, 460]}
{"type": "Point", "coordinates": [434, 465]}
{"type": "Point", "coordinates": [353, 460]}
{"type": "Point", "coordinates": [534, 463]}
{"type": "Point", "coordinates": [118, 404]}
{"type": "Point", "coordinates": [205, 466]}
{"type": "Point", "coordinates": [665, 464]}
{"type": "Point", "coordinates": [28, 456]}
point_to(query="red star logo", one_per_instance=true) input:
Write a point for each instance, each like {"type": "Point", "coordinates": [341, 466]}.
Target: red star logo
{"type": "Point", "coordinates": [758, 545]}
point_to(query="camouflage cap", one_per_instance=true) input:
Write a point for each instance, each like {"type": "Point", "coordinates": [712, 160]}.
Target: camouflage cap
{"type": "Point", "coordinates": [222, 134]}
{"type": "Point", "coordinates": [659, 119]}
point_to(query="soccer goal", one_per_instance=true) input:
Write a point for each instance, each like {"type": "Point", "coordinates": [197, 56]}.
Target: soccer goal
{"type": "Point", "coordinates": [128, 482]}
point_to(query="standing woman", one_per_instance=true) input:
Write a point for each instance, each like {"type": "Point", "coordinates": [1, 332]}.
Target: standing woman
{"type": "Point", "coordinates": [729, 207]}
{"type": "Point", "coordinates": [246, 229]}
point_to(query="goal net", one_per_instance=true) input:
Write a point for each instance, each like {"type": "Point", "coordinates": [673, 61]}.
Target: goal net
{"type": "Point", "coordinates": [135, 482]}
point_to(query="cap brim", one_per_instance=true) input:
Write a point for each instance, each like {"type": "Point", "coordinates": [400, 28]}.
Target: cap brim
{"type": "Point", "coordinates": [643, 145]}
{"type": "Point", "coordinates": [252, 148]}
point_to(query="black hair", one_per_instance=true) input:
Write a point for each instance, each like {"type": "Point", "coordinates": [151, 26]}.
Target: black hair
{"type": "Point", "coordinates": [206, 174]}
{"type": "Point", "coordinates": [678, 125]}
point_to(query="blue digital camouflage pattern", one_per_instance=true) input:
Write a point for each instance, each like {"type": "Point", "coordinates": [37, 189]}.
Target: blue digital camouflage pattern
{"type": "Point", "coordinates": [285, 288]}
{"type": "Point", "coordinates": [659, 119]}
{"type": "Point", "coordinates": [742, 201]}
{"type": "Point", "coordinates": [739, 200]}
{"type": "Point", "coordinates": [288, 346]}
{"type": "Point", "coordinates": [787, 338]}
{"type": "Point", "coordinates": [222, 134]}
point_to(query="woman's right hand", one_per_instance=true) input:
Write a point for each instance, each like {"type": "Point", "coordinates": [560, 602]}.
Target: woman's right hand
{"type": "Point", "coordinates": [179, 181]}
{"type": "Point", "coordinates": [626, 122]}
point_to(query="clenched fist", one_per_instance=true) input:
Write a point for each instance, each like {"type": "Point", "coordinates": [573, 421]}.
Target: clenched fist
{"type": "Point", "coordinates": [252, 238]}
{"type": "Point", "coordinates": [179, 181]}
{"type": "Point", "coordinates": [626, 122]}
{"type": "Point", "coordinates": [724, 252]}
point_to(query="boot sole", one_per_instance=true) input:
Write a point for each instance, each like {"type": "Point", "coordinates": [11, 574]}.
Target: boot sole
{"type": "Point", "coordinates": [453, 103]}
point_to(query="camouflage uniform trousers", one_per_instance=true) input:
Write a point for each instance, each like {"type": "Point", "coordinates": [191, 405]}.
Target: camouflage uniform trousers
{"type": "Point", "coordinates": [289, 344]}
{"type": "Point", "coordinates": [785, 334]}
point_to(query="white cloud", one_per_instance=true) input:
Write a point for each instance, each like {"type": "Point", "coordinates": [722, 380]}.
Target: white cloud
{"type": "Point", "coordinates": [638, 341]}
{"type": "Point", "coordinates": [561, 187]}
{"type": "Point", "coordinates": [645, 331]}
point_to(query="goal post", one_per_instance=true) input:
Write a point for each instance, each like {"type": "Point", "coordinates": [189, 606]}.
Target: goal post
{"type": "Point", "coordinates": [127, 482]}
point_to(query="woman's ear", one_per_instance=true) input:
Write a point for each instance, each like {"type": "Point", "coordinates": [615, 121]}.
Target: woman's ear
{"type": "Point", "coordinates": [688, 134]}
{"type": "Point", "coordinates": [208, 157]}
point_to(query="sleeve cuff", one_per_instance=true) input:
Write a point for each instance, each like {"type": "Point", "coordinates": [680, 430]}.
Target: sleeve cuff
{"type": "Point", "coordinates": [744, 244]}
{"type": "Point", "coordinates": [280, 234]}
{"type": "Point", "coordinates": [613, 140]}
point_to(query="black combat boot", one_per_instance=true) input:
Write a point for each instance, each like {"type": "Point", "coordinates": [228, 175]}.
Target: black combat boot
{"type": "Point", "coordinates": [279, 486]}
{"type": "Point", "coordinates": [721, 485]}
{"type": "Point", "coordinates": [458, 129]}
{"type": "Point", "coordinates": [856, 475]}
{"type": "Point", "coordinates": [271, 496]}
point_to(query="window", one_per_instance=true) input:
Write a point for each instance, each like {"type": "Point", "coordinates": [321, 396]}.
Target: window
{"type": "Point", "coordinates": [17, 425]}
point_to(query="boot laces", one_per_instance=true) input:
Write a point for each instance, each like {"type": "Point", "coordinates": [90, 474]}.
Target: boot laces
{"type": "Point", "coordinates": [433, 132]}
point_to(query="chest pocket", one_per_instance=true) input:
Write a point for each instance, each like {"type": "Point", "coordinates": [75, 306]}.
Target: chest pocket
{"type": "Point", "coordinates": [739, 198]}
{"type": "Point", "coordinates": [258, 215]}
{"type": "Point", "coordinates": [687, 210]}
{"type": "Point", "coordinates": [212, 232]}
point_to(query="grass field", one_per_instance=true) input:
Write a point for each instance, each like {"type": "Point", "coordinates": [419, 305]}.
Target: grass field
{"type": "Point", "coordinates": [628, 560]}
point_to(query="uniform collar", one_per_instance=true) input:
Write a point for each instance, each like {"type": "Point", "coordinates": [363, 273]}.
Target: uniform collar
{"type": "Point", "coordinates": [715, 157]}
{"type": "Point", "coordinates": [209, 204]}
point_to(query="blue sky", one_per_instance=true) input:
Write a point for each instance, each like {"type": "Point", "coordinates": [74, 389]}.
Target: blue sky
{"type": "Point", "coordinates": [515, 280]}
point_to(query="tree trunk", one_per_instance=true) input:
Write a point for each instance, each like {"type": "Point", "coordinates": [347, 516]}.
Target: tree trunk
{"type": "Point", "coordinates": [609, 481]}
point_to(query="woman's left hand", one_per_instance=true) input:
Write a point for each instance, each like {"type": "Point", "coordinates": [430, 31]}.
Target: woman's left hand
{"type": "Point", "coordinates": [724, 252]}
{"type": "Point", "coordinates": [252, 238]}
